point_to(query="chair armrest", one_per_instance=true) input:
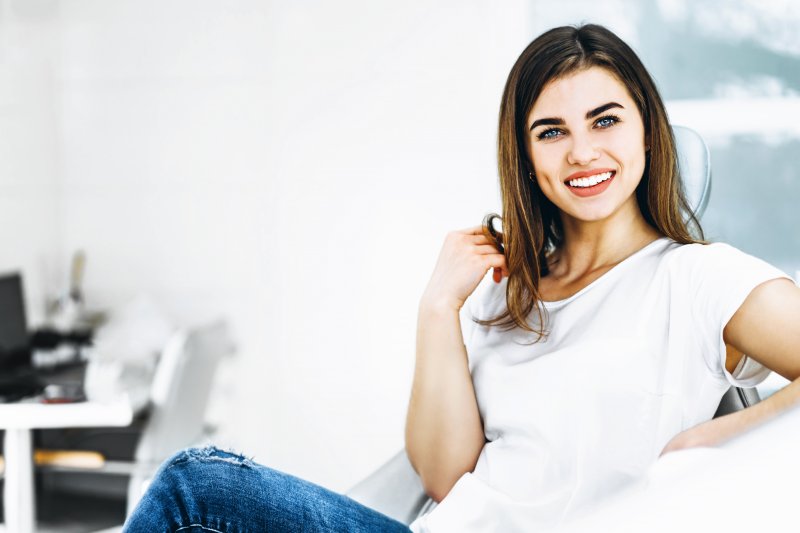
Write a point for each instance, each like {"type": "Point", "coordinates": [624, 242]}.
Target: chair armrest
{"type": "Point", "coordinates": [736, 399]}
{"type": "Point", "coordinates": [394, 490]}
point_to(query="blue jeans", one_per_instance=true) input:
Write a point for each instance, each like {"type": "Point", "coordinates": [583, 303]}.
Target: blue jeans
{"type": "Point", "coordinates": [210, 490]}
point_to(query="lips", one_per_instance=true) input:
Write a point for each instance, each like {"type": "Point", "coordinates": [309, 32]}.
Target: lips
{"type": "Point", "coordinates": [587, 174]}
{"type": "Point", "coordinates": [590, 183]}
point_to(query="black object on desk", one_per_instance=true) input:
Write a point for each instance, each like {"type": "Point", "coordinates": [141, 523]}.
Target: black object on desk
{"type": "Point", "coordinates": [17, 378]}
{"type": "Point", "coordinates": [14, 347]}
{"type": "Point", "coordinates": [15, 387]}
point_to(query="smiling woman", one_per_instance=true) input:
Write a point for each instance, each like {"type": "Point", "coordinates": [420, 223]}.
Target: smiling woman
{"type": "Point", "coordinates": [622, 327]}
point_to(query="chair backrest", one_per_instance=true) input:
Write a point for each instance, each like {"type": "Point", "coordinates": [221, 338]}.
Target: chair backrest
{"type": "Point", "coordinates": [737, 399]}
{"type": "Point", "coordinates": [694, 162]}
{"type": "Point", "coordinates": [181, 389]}
{"type": "Point", "coordinates": [394, 489]}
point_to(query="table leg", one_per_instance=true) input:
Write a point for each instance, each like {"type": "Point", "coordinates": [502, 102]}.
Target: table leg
{"type": "Point", "coordinates": [20, 509]}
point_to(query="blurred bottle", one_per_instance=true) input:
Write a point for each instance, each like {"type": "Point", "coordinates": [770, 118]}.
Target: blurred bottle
{"type": "Point", "coordinates": [66, 337]}
{"type": "Point", "coordinates": [67, 311]}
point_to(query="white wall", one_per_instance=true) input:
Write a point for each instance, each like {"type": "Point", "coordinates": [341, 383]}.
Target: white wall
{"type": "Point", "coordinates": [29, 207]}
{"type": "Point", "coordinates": [294, 166]}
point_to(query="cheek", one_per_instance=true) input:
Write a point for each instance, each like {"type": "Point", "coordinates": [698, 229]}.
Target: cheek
{"type": "Point", "coordinates": [546, 188]}
{"type": "Point", "coordinates": [548, 166]}
{"type": "Point", "coordinates": [630, 152]}
{"type": "Point", "coordinates": [546, 159]}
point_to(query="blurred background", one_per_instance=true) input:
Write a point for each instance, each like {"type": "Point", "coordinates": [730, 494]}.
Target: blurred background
{"type": "Point", "coordinates": [293, 168]}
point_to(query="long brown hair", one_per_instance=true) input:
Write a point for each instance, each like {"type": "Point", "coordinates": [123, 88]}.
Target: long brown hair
{"type": "Point", "coordinates": [532, 226]}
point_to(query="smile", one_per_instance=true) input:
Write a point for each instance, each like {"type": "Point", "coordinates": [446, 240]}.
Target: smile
{"type": "Point", "coordinates": [591, 185]}
{"type": "Point", "coordinates": [591, 181]}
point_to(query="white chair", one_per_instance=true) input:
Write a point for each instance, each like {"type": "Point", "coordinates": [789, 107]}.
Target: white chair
{"type": "Point", "coordinates": [178, 401]}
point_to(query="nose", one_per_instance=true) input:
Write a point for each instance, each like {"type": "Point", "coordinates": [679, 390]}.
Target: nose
{"type": "Point", "coordinates": [582, 151]}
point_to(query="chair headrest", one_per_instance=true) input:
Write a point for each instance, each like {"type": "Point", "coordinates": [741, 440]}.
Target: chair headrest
{"type": "Point", "coordinates": [694, 163]}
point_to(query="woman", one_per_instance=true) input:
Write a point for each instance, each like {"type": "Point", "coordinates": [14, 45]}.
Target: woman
{"type": "Point", "coordinates": [607, 335]}
{"type": "Point", "coordinates": [619, 316]}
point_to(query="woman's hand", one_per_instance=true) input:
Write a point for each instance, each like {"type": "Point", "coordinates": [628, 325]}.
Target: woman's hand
{"type": "Point", "coordinates": [463, 261]}
{"type": "Point", "coordinates": [712, 432]}
{"type": "Point", "coordinates": [690, 438]}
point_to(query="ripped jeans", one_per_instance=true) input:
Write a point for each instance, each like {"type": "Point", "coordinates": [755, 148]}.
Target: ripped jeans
{"type": "Point", "coordinates": [210, 490]}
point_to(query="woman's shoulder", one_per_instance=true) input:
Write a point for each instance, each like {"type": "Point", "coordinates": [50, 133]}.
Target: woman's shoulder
{"type": "Point", "coordinates": [714, 259]}
{"type": "Point", "coordinates": [702, 252]}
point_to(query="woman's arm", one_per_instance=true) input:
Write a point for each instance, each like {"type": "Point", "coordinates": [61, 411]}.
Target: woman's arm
{"type": "Point", "coordinates": [444, 432]}
{"type": "Point", "coordinates": [767, 328]}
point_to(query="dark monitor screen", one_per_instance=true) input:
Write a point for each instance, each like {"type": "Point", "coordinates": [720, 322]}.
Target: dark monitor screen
{"type": "Point", "coordinates": [13, 329]}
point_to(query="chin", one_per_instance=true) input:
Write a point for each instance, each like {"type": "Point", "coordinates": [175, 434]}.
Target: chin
{"type": "Point", "coordinates": [592, 215]}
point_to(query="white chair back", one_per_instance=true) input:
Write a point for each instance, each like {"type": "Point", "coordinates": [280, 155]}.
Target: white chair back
{"type": "Point", "coordinates": [179, 398]}
{"type": "Point", "coordinates": [180, 390]}
{"type": "Point", "coordinates": [694, 162]}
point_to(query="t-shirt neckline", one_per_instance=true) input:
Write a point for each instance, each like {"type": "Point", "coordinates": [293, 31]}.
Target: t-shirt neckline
{"type": "Point", "coordinates": [558, 303]}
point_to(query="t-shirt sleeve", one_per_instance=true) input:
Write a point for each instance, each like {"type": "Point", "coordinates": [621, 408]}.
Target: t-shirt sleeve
{"type": "Point", "coordinates": [471, 309]}
{"type": "Point", "coordinates": [467, 324]}
{"type": "Point", "coordinates": [720, 279]}
{"type": "Point", "coordinates": [475, 306]}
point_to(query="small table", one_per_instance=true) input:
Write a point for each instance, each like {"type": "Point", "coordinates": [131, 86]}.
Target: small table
{"type": "Point", "coordinates": [19, 419]}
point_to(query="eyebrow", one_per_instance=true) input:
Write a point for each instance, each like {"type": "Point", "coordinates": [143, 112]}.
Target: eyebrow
{"type": "Point", "coordinates": [556, 121]}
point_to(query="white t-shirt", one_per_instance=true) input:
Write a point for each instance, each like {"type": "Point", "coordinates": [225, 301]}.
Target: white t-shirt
{"type": "Point", "coordinates": [631, 360]}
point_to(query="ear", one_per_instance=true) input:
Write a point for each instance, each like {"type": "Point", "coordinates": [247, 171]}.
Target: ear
{"type": "Point", "coordinates": [647, 142]}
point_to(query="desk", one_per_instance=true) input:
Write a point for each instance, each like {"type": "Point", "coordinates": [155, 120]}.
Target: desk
{"type": "Point", "coordinates": [19, 420]}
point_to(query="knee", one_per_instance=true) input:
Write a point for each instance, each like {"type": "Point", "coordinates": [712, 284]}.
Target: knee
{"type": "Point", "coordinates": [198, 455]}
{"type": "Point", "coordinates": [188, 479]}
{"type": "Point", "coordinates": [195, 467]}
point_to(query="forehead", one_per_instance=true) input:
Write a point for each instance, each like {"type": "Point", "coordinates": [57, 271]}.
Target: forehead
{"type": "Point", "coordinates": [578, 92]}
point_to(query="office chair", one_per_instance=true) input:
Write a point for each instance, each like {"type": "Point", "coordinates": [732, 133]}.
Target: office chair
{"type": "Point", "coordinates": [178, 400]}
{"type": "Point", "coordinates": [396, 490]}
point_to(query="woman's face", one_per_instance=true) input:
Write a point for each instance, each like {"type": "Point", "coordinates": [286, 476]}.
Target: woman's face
{"type": "Point", "coordinates": [587, 144]}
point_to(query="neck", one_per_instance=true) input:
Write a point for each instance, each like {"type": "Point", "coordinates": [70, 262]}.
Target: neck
{"type": "Point", "coordinates": [595, 245]}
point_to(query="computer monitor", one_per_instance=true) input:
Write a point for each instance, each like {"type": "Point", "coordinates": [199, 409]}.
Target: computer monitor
{"type": "Point", "coordinates": [14, 345]}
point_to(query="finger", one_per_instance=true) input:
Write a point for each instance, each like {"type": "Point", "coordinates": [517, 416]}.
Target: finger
{"type": "Point", "coordinates": [486, 249]}
{"type": "Point", "coordinates": [478, 239]}
{"type": "Point", "coordinates": [482, 239]}
{"type": "Point", "coordinates": [495, 261]}
{"type": "Point", "coordinates": [475, 230]}
{"type": "Point", "coordinates": [500, 265]}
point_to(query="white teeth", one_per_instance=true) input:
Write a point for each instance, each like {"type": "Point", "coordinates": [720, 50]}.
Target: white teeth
{"type": "Point", "coordinates": [590, 181]}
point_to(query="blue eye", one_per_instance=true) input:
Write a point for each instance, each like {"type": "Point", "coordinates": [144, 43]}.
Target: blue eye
{"type": "Point", "coordinates": [606, 121]}
{"type": "Point", "coordinates": [551, 133]}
